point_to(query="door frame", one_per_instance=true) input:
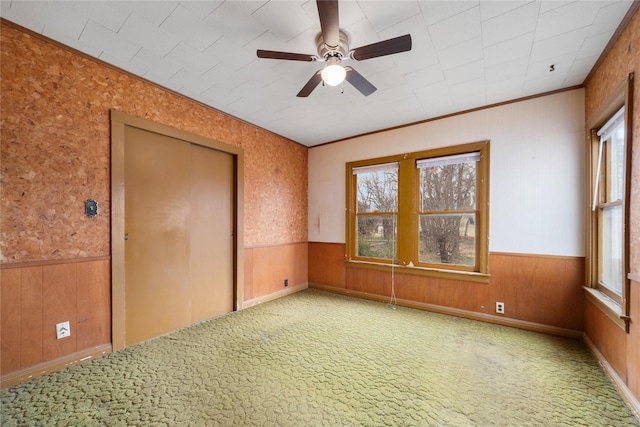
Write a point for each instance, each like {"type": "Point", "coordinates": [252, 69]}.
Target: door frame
{"type": "Point", "coordinates": [119, 121]}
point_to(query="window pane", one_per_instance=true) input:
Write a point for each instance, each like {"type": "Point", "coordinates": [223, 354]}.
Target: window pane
{"type": "Point", "coordinates": [448, 187]}
{"type": "Point", "coordinates": [376, 236]}
{"type": "Point", "coordinates": [616, 164]}
{"type": "Point", "coordinates": [448, 239]}
{"type": "Point", "coordinates": [611, 254]}
{"type": "Point", "coordinates": [377, 191]}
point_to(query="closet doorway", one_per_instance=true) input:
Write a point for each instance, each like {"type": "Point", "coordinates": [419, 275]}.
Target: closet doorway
{"type": "Point", "coordinates": [176, 259]}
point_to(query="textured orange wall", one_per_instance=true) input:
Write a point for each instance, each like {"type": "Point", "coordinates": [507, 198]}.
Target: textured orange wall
{"type": "Point", "coordinates": [623, 353]}
{"type": "Point", "coordinates": [55, 151]}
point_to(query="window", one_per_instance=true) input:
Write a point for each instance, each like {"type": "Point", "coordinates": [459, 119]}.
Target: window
{"type": "Point", "coordinates": [609, 169]}
{"type": "Point", "coordinates": [425, 212]}
{"type": "Point", "coordinates": [447, 214]}
{"type": "Point", "coordinates": [376, 211]}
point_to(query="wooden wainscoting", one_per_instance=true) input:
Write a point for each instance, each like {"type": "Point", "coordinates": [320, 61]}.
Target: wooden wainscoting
{"type": "Point", "coordinates": [266, 268]}
{"type": "Point", "coordinates": [326, 264]}
{"type": "Point", "coordinates": [540, 288]}
{"type": "Point", "coordinates": [536, 289]}
{"type": "Point", "coordinates": [35, 296]}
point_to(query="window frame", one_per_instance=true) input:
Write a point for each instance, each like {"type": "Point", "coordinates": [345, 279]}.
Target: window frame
{"type": "Point", "coordinates": [407, 241]}
{"type": "Point", "coordinates": [614, 306]}
{"type": "Point", "coordinates": [394, 215]}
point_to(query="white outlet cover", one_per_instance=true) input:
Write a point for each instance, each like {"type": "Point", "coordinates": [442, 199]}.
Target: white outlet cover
{"type": "Point", "coordinates": [63, 330]}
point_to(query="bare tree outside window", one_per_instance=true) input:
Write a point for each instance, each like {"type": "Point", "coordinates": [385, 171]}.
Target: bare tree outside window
{"type": "Point", "coordinates": [376, 210]}
{"type": "Point", "coordinates": [448, 211]}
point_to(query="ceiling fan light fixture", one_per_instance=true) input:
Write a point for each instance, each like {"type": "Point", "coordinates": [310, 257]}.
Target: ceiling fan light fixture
{"type": "Point", "coordinates": [334, 73]}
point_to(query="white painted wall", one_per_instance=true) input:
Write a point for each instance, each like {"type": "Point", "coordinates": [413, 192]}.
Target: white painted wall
{"type": "Point", "coordinates": [537, 172]}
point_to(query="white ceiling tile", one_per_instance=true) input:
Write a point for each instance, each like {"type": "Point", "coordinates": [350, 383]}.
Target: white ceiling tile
{"type": "Point", "coordinates": [110, 42]}
{"type": "Point", "coordinates": [304, 42]}
{"type": "Point", "coordinates": [507, 51]}
{"type": "Point", "coordinates": [542, 85]}
{"type": "Point", "coordinates": [190, 28]}
{"type": "Point", "coordinates": [219, 97]}
{"type": "Point", "coordinates": [594, 45]}
{"type": "Point", "coordinates": [361, 33]}
{"type": "Point", "coordinates": [435, 99]}
{"type": "Point", "coordinates": [161, 67]}
{"type": "Point", "coordinates": [436, 11]}
{"type": "Point", "coordinates": [561, 66]}
{"type": "Point", "coordinates": [285, 19]}
{"type": "Point", "coordinates": [226, 50]}
{"type": "Point", "coordinates": [546, 6]}
{"type": "Point", "coordinates": [570, 81]}
{"type": "Point", "coordinates": [124, 64]}
{"type": "Point", "coordinates": [409, 106]}
{"type": "Point", "coordinates": [425, 77]}
{"type": "Point", "coordinates": [137, 29]}
{"type": "Point", "coordinates": [401, 93]}
{"type": "Point", "coordinates": [461, 54]}
{"type": "Point", "coordinates": [156, 14]}
{"type": "Point", "coordinates": [468, 94]}
{"type": "Point", "coordinates": [504, 90]}
{"type": "Point", "coordinates": [192, 59]}
{"type": "Point", "coordinates": [87, 48]}
{"type": "Point", "coordinates": [491, 8]}
{"type": "Point", "coordinates": [580, 67]}
{"type": "Point", "coordinates": [190, 81]}
{"type": "Point", "coordinates": [102, 12]}
{"type": "Point", "coordinates": [422, 53]}
{"type": "Point", "coordinates": [567, 18]}
{"type": "Point", "coordinates": [471, 71]}
{"type": "Point", "coordinates": [516, 68]}
{"type": "Point", "coordinates": [609, 17]}
{"type": "Point", "coordinates": [159, 79]}
{"type": "Point", "coordinates": [456, 29]}
{"type": "Point", "coordinates": [511, 24]}
{"type": "Point", "coordinates": [385, 14]}
{"type": "Point", "coordinates": [60, 18]}
{"type": "Point", "coordinates": [562, 44]}
{"type": "Point", "coordinates": [15, 12]}
{"type": "Point", "coordinates": [223, 76]}
{"type": "Point", "coordinates": [201, 9]}
{"type": "Point", "coordinates": [234, 20]}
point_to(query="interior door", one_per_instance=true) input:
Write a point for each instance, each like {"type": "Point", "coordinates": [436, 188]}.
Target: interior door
{"type": "Point", "coordinates": [179, 223]}
{"type": "Point", "coordinates": [157, 200]}
{"type": "Point", "coordinates": [212, 227]}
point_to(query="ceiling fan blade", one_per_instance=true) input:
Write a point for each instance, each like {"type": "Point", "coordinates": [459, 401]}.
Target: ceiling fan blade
{"type": "Point", "coordinates": [285, 55]}
{"type": "Point", "coordinates": [311, 85]}
{"type": "Point", "coordinates": [329, 22]}
{"type": "Point", "coordinates": [385, 47]}
{"type": "Point", "coordinates": [363, 85]}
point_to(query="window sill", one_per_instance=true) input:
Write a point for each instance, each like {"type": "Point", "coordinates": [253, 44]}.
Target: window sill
{"type": "Point", "coordinates": [464, 276]}
{"type": "Point", "coordinates": [612, 309]}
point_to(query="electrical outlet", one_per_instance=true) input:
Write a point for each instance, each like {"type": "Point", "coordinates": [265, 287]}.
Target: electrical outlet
{"type": "Point", "coordinates": [500, 307]}
{"type": "Point", "coordinates": [286, 282]}
{"type": "Point", "coordinates": [63, 330]}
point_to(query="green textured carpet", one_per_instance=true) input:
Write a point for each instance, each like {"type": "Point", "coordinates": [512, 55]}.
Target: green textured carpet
{"type": "Point", "coordinates": [314, 358]}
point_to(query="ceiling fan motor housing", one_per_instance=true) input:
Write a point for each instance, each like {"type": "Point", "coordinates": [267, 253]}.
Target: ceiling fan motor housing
{"type": "Point", "coordinates": [325, 52]}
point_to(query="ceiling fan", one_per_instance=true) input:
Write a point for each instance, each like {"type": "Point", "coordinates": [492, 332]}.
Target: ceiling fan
{"type": "Point", "coordinates": [333, 48]}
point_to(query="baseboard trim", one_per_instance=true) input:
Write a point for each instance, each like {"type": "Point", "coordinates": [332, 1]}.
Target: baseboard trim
{"type": "Point", "coordinates": [275, 295]}
{"type": "Point", "coordinates": [41, 369]}
{"type": "Point", "coordinates": [626, 394]}
{"type": "Point", "coordinates": [489, 318]}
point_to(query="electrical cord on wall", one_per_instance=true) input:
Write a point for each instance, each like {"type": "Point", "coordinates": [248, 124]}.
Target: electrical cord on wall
{"type": "Point", "coordinates": [393, 301]}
